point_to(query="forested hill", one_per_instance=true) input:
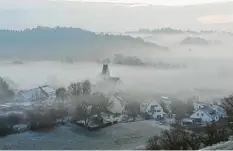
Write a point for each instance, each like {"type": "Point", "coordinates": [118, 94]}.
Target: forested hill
{"type": "Point", "coordinates": [53, 43]}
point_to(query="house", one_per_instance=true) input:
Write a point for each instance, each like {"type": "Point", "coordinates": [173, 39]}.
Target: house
{"type": "Point", "coordinates": [205, 115]}
{"type": "Point", "coordinates": [116, 105]}
{"type": "Point", "coordinates": [220, 111]}
{"type": "Point", "coordinates": [167, 104]}
{"type": "Point", "coordinates": [198, 105]}
{"type": "Point", "coordinates": [39, 93]}
{"type": "Point", "coordinates": [152, 108]}
{"type": "Point", "coordinates": [48, 91]}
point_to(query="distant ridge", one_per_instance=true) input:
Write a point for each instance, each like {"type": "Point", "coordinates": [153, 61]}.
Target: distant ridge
{"type": "Point", "coordinates": [175, 31]}
{"type": "Point", "coordinates": [59, 42]}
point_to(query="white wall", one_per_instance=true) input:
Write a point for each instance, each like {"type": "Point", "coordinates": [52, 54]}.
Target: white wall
{"type": "Point", "coordinates": [157, 108]}
{"type": "Point", "coordinates": [202, 115]}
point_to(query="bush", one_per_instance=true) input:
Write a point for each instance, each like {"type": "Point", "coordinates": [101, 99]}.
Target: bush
{"type": "Point", "coordinates": [42, 118]}
{"type": "Point", "coordinates": [174, 140]}
{"type": "Point", "coordinates": [5, 129]}
{"type": "Point", "coordinates": [7, 123]}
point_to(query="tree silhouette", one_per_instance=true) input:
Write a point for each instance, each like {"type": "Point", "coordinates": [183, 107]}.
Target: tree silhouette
{"type": "Point", "coordinates": [86, 85]}
{"type": "Point", "coordinates": [179, 108]}
{"type": "Point", "coordinates": [133, 109]}
{"type": "Point", "coordinates": [227, 104]}
{"type": "Point", "coordinates": [76, 89]}
{"type": "Point", "coordinates": [61, 93]}
{"type": "Point", "coordinates": [5, 90]}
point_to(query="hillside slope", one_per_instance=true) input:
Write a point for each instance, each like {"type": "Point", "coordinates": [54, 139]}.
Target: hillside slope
{"type": "Point", "coordinates": [57, 43]}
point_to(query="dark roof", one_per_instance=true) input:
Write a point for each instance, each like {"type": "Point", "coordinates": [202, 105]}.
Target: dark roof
{"type": "Point", "coordinates": [105, 69]}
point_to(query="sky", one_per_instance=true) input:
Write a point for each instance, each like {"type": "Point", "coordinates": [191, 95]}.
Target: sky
{"type": "Point", "coordinates": [21, 14]}
{"type": "Point", "coordinates": [28, 3]}
{"type": "Point", "coordinates": [154, 2]}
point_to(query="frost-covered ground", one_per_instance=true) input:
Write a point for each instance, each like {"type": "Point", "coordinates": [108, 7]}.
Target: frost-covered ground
{"type": "Point", "coordinates": [120, 136]}
{"type": "Point", "coordinates": [228, 145]}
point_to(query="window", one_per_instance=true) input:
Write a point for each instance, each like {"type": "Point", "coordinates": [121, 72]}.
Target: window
{"type": "Point", "coordinates": [158, 110]}
{"type": "Point", "coordinates": [197, 114]}
{"type": "Point", "coordinates": [202, 114]}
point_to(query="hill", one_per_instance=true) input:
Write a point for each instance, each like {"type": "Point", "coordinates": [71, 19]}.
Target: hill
{"type": "Point", "coordinates": [176, 31]}
{"type": "Point", "coordinates": [194, 41]}
{"type": "Point", "coordinates": [199, 41]}
{"type": "Point", "coordinates": [57, 43]}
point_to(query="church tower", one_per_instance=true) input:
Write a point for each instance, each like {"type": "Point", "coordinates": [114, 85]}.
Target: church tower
{"type": "Point", "coordinates": [105, 72]}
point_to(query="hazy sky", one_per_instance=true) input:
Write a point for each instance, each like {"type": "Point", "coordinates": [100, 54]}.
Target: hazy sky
{"type": "Point", "coordinates": [156, 2]}
{"type": "Point", "coordinates": [21, 14]}
{"type": "Point", "coordinates": [19, 3]}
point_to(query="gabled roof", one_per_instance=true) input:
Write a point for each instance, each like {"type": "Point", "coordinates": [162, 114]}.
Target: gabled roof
{"type": "Point", "coordinates": [32, 93]}
{"type": "Point", "coordinates": [150, 102]}
{"type": "Point", "coordinates": [219, 108]}
{"type": "Point", "coordinates": [209, 111]}
{"type": "Point", "coordinates": [48, 89]}
{"type": "Point", "coordinates": [37, 93]}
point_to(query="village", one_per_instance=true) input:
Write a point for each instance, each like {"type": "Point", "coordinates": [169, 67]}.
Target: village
{"type": "Point", "coordinates": [83, 105]}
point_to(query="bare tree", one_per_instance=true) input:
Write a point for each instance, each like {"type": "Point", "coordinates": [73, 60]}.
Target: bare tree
{"type": "Point", "coordinates": [99, 104]}
{"type": "Point", "coordinates": [5, 90]}
{"type": "Point", "coordinates": [76, 89]}
{"type": "Point", "coordinates": [83, 112]}
{"type": "Point", "coordinates": [61, 93]}
{"type": "Point", "coordinates": [86, 85]}
{"type": "Point", "coordinates": [227, 104]}
{"type": "Point", "coordinates": [61, 112]}
{"type": "Point", "coordinates": [179, 108]}
{"type": "Point", "coordinates": [212, 135]}
{"type": "Point", "coordinates": [133, 109]}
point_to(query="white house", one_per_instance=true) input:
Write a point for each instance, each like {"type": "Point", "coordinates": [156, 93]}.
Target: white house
{"type": "Point", "coordinates": [198, 105]}
{"type": "Point", "coordinates": [39, 93]}
{"type": "Point", "coordinates": [205, 115]}
{"type": "Point", "coordinates": [220, 111]}
{"type": "Point", "coordinates": [152, 108]}
{"type": "Point", "coordinates": [167, 102]}
{"type": "Point", "coordinates": [48, 91]}
{"type": "Point", "coordinates": [116, 105]}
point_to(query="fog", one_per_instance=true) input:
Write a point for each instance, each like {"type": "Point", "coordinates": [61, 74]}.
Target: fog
{"type": "Point", "coordinates": [208, 73]}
